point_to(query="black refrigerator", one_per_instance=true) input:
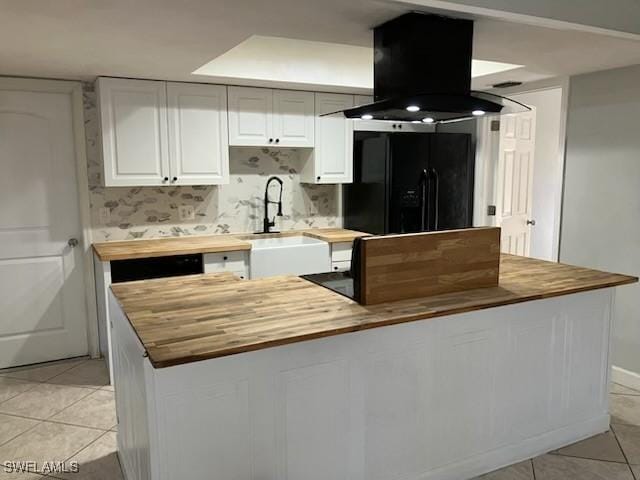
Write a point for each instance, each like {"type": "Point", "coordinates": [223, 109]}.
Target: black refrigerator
{"type": "Point", "coordinates": [409, 182]}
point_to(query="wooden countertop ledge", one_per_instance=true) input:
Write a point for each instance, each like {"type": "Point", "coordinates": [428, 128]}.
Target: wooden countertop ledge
{"type": "Point", "coordinates": [161, 247]}
{"type": "Point", "coordinates": [187, 319]}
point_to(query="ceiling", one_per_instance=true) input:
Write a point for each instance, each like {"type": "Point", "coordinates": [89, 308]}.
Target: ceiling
{"type": "Point", "coordinates": [170, 39]}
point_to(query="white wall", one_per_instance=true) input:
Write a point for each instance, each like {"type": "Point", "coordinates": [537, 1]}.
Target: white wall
{"type": "Point", "coordinates": [547, 170]}
{"type": "Point", "coordinates": [601, 208]}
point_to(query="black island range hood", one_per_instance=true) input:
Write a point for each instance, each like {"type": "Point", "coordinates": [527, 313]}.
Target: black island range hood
{"type": "Point", "coordinates": [422, 72]}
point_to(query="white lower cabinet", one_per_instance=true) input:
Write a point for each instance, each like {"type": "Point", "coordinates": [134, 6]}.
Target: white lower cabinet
{"type": "Point", "coordinates": [331, 161]}
{"type": "Point", "coordinates": [442, 398]}
{"type": "Point", "coordinates": [234, 262]}
{"type": "Point", "coordinates": [159, 133]}
{"type": "Point", "coordinates": [341, 256]}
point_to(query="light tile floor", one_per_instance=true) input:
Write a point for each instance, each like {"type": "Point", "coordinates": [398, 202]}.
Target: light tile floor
{"type": "Point", "coordinates": [59, 412]}
{"type": "Point", "coordinates": [64, 411]}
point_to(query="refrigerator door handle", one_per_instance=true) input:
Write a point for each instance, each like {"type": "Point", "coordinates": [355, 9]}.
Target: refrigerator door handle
{"type": "Point", "coordinates": [436, 195]}
{"type": "Point", "coordinates": [424, 212]}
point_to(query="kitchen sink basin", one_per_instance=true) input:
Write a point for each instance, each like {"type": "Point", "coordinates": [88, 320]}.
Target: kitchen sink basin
{"type": "Point", "coordinates": [294, 255]}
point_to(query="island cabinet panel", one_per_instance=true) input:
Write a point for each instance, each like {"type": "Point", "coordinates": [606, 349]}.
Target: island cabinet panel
{"type": "Point", "coordinates": [135, 415]}
{"type": "Point", "coordinates": [447, 397]}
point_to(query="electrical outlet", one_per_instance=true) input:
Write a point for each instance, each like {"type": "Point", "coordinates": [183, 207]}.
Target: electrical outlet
{"type": "Point", "coordinates": [104, 215]}
{"type": "Point", "coordinates": [186, 212]}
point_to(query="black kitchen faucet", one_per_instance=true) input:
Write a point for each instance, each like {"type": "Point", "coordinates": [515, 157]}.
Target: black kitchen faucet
{"type": "Point", "coordinates": [267, 224]}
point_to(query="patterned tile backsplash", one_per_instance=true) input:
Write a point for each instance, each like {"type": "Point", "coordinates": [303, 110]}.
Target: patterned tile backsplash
{"type": "Point", "coordinates": [147, 212]}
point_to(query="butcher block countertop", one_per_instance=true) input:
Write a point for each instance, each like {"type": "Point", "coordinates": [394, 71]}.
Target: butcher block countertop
{"type": "Point", "coordinates": [187, 319]}
{"type": "Point", "coordinates": [162, 247]}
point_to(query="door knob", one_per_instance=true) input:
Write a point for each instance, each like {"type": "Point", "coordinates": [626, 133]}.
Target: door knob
{"type": "Point", "coordinates": [531, 222]}
{"type": "Point", "coordinates": [73, 242]}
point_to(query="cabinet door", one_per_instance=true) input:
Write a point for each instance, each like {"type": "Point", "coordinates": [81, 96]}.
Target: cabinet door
{"type": "Point", "coordinates": [198, 138]}
{"type": "Point", "coordinates": [133, 119]}
{"type": "Point", "coordinates": [250, 116]}
{"type": "Point", "coordinates": [333, 155]}
{"type": "Point", "coordinates": [293, 118]}
{"type": "Point", "coordinates": [362, 100]}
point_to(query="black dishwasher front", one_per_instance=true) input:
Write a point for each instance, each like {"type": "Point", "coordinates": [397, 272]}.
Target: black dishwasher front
{"type": "Point", "coordinates": [157, 267]}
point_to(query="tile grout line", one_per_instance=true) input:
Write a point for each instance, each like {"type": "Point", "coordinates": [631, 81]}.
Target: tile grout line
{"type": "Point", "coordinates": [84, 448]}
{"type": "Point", "coordinates": [35, 384]}
{"type": "Point", "coordinates": [633, 475]}
{"type": "Point", "coordinates": [38, 422]}
{"type": "Point", "coordinates": [45, 364]}
{"type": "Point", "coordinates": [589, 458]}
{"type": "Point", "coordinates": [53, 414]}
{"type": "Point", "coordinates": [533, 469]}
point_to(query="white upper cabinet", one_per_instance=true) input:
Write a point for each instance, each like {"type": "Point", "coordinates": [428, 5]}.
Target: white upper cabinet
{"type": "Point", "coordinates": [359, 100]}
{"type": "Point", "coordinates": [133, 118]}
{"type": "Point", "coordinates": [265, 117]}
{"type": "Point", "coordinates": [332, 160]}
{"type": "Point", "coordinates": [198, 138]}
{"type": "Point", "coordinates": [293, 122]}
{"type": "Point", "coordinates": [154, 133]}
{"type": "Point", "coordinates": [250, 118]}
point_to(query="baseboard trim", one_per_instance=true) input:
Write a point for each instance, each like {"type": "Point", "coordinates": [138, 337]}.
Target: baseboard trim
{"type": "Point", "coordinates": [626, 378]}
{"type": "Point", "coordinates": [514, 453]}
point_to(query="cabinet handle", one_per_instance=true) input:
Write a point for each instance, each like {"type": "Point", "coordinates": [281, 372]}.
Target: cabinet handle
{"type": "Point", "coordinates": [400, 126]}
{"type": "Point", "coordinates": [271, 140]}
{"type": "Point", "coordinates": [225, 258]}
{"type": "Point", "coordinates": [394, 125]}
{"type": "Point", "coordinates": [277, 140]}
{"type": "Point", "coordinates": [165, 179]}
{"type": "Point", "coordinates": [175, 179]}
{"type": "Point", "coordinates": [318, 178]}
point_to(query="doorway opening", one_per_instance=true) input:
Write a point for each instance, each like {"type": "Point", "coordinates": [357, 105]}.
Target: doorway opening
{"type": "Point", "coordinates": [519, 173]}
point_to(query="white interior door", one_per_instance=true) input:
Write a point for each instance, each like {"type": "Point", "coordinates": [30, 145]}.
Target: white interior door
{"type": "Point", "coordinates": [515, 182]}
{"type": "Point", "coordinates": [42, 301]}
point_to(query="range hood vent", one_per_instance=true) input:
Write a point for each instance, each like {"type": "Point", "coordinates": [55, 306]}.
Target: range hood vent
{"type": "Point", "coordinates": [422, 72]}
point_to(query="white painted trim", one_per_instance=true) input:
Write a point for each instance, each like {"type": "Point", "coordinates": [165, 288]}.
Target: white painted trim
{"type": "Point", "coordinates": [74, 89]}
{"type": "Point", "coordinates": [85, 219]}
{"type": "Point", "coordinates": [534, 20]}
{"type": "Point", "coordinates": [486, 157]}
{"type": "Point", "coordinates": [626, 378]}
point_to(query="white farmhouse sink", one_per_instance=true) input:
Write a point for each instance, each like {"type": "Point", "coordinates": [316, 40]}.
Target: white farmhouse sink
{"type": "Point", "coordinates": [295, 255]}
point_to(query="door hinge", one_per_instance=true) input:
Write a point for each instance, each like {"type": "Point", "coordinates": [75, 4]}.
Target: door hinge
{"type": "Point", "coordinates": [491, 210]}
{"type": "Point", "coordinates": [495, 125]}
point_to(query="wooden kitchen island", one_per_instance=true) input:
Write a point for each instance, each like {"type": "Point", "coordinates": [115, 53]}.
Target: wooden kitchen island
{"type": "Point", "coordinates": [279, 378]}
